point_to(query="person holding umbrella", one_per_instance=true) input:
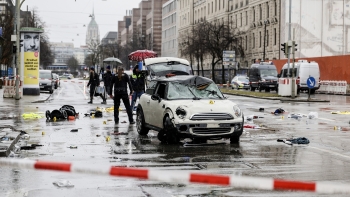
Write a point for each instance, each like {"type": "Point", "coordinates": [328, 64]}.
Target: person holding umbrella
{"type": "Point", "coordinates": [94, 82]}
{"type": "Point", "coordinates": [120, 82]}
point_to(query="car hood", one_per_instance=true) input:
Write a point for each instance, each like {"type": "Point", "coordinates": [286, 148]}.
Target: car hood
{"type": "Point", "coordinates": [270, 78]}
{"type": "Point", "coordinates": [202, 106]}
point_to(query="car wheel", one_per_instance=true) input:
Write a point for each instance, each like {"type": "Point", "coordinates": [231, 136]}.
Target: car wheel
{"type": "Point", "coordinates": [252, 88]}
{"type": "Point", "coordinates": [51, 91]}
{"type": "Point", "coordinates": [140, 123]}
{"type": "Point", "coordinates": [170, 131]}
{"type": "Point", "coordinates": [234, 139]}
{"type": "Point", "coordinates": [161, 136]}
{"type": "Point", "coordinates": [259, 88]}
{"type": "Point", "coordinates": [267, 90]}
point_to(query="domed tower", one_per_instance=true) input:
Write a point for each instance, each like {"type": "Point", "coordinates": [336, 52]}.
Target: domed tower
{"type": "Point", "coordinates": [92, 33]}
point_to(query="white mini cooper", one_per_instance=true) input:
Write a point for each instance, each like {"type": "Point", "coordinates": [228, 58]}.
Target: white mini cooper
{"type": "Point", "coordinates": [188, 106]}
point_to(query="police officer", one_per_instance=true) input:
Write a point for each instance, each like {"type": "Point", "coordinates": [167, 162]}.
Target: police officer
{"type": "Point", "coordinates": [94, 82]}
{"type": "Point", "coordinates": [138, 85]}
{"type": "Point", "coordinates": [120, 82]}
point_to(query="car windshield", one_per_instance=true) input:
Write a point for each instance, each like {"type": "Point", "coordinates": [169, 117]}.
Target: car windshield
{"type": "Point", "coordinates": [161, 69]}
{"type": "Point", "coordinates": [268, 72]}
{"type": "Point", "coordinates": [181, 91]}
{"type": "Point", "coordinates": [243, 79]}
{"type": "Point", "coordinates": [45, 75]}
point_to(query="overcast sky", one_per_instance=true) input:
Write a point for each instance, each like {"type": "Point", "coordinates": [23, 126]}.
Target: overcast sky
{"type": "Point", "coordinates": [67, 20]}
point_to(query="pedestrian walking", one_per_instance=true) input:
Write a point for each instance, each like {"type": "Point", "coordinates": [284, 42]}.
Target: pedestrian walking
{"type": "Point", "coordinates": [93, 83]}
{"type": "Point", "coordinates": [120, 82]}
{"type": "Point", "coordinates": [138, 85]}
{"type": "Point", "coordinates": [107, 80]}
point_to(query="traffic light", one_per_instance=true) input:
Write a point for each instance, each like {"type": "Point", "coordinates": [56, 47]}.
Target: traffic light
{"type": "Point", "coordinates": [21, 43]}
{"type": "Point", "coordinates": [14, 49]}
{"type": "Point", "coordinates": [284, 48]}
{"type": "Point", "coordinates": [294, 47]}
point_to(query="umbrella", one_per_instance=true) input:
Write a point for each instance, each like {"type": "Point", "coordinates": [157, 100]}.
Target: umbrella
{"type": "Point", "coordinates": [140, 55]}
{"type": "Point", "coordinates": [112, 59]}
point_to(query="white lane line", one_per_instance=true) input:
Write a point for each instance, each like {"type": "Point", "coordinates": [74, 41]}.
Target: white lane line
{"type": "Point", "coordinates": [331, 152]}
{"type": "Point", "coordinates": [59, 93]}
{"type": "Point", "coordinates": [83, 91]}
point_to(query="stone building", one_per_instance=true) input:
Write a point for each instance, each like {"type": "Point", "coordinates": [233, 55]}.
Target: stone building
{"type": "Point", "coordinates": [92, 32]}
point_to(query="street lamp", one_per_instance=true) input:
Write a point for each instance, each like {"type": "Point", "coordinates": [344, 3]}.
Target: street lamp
{"type": "Point", "coordinates": [265, 23]}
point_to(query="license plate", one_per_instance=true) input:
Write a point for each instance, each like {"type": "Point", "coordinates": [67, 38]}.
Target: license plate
{"type": "Point", "coordinates": [225, 125]}
{"type": "Point", "coordinates": [41, 86]}
{"type": "Point", "coordinates": [212, 125]}
{"type": "Point", "coordinates": [271, 86]}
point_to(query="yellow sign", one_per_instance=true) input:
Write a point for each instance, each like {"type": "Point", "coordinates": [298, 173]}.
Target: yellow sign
{"type": "Point", "coordinates": [31, 68]}
{"type": "Point", "coordinates": [211, 102]}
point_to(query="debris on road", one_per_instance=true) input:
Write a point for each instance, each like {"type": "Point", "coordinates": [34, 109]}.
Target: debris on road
{"type": "Point", "coordinates": [63, 183]}
{"type": "Point", "coordinates": [251, 127]}
{"type": "Point", "coordinates": [73, 147]}
{"type": "Point", "coordinates": [313, 115]}
{"type": "Point", "coordinates": [261, 109]}
{"type": "Point", "coordinates": [300, 140]}
{"type": "Point", "coordinates": [33, 115]}
{"type": "Point", "coordinates": [278, 111]}
{"type": "Point", "coordinates": [74, 130]}
{"type": "Point", "coordinates": [341, 112]}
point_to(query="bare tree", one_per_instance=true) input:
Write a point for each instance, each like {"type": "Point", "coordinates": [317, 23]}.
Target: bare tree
{"type": "Point", "coordinates": [94, 51]}
{"type": "Point", "coordinates": [6, 22]}
{"type": "Point", "coordinates": [72, 64]}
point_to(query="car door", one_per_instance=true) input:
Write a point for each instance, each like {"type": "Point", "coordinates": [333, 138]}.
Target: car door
{"type": "Point", "coordinates": [157, 107]}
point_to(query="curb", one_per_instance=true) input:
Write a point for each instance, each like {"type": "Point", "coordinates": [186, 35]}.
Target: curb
{"type": "Point", "coordinates": [280, 99]}
{"type": "Point", "coordinates": [182, 177]}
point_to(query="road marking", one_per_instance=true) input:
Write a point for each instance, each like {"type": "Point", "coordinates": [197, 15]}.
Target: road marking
{"type": "Point", "coordinates": [83, 91]}
{"type": "Point", "coordinates": [59, 93]}
{"type": "Point", "coordinates": [331, 152]}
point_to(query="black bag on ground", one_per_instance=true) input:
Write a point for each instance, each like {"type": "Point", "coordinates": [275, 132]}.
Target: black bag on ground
{"type": "Point", "coordinates": [59, 114]}
{"type": "Point", "coordinates": [70, 110]}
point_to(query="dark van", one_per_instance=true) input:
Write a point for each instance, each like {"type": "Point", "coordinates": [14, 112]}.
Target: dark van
{"type": "Point", "coordinates": [263, 76]}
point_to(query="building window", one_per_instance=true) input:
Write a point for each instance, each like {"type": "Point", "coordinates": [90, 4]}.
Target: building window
{"type": "Point", "coordinates": [275, 8]}
{"type": "Point", "coordinates": [208, 8]}
{"type": "Point", "coordinates": [275, 36]}
{"type": "Point", "coordinates": [241, 20]}
{"type": "Point", "coordinates": [253, 41]}
{"type": "Point", "coordinates": [223, 4]}
{"type": "Point", "coordinates": [246, 17]}
{"type": "Point", "coordinates": [216, 2]}
{"type": "Point", "coordinates": [212, 7]}
{"type": "Point", "coordinates": [267, 37]}
{"type": "Point", "coordinates": [246, 42]}
{"type": "Point", "coordinates": [260, 39]}
{"type": "Point", "coordinates": [253, 15]}
{"type": "Point", "coordinates": [246, 2]}
{"type": "Point", "coordinates": [236, 20]}
{"type": "Point", "coordinates": [267, 10]}
{"type": "Point", "coordinates": [231, 21]}
{"type": "Point", "coordinates": [219, 4]}
{"type": "Point", "coordinates": [260, 12]}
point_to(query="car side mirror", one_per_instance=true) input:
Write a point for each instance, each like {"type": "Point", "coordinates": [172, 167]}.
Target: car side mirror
{"type": "Point", "coordinates": [155, 97]}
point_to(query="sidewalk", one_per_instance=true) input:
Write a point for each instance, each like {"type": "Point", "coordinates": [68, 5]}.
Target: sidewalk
{"type": "Point", "coordinates": [25, 99]}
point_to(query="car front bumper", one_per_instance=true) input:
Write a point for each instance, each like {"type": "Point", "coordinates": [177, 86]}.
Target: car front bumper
{"type": "Point", "coordinates": [209, 129]}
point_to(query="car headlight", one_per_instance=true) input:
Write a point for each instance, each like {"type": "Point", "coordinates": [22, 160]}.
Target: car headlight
{"type": "Point", "coordinates": [180, 112]}
{"type": "Point", "coordinates": [39, 84]}
{"type": "Point", "coordinates": [237, 110]}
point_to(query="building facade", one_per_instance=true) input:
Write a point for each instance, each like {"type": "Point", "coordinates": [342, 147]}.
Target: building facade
{"type": "Point", "coordinates": [169, 30]}
{"type": "Point", "coordinates": [62, 52]}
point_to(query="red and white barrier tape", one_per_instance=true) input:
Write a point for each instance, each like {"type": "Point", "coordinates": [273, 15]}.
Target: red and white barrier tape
{"type": "Point", "coordinates": [181, 176]}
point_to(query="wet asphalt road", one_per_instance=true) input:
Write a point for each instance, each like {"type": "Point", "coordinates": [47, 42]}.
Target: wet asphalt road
{"type": "Point", "coordinates": [325, 159]}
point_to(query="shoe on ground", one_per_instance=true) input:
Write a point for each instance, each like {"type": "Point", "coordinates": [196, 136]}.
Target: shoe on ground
{"type": "Point", "coordinates": [90, 102]}
{"type": "Point", "coordinates": [104, 102]}
{"type": "Point", "coordinates": [132, 122]}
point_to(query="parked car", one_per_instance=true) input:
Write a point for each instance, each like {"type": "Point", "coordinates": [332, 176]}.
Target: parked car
{"type": "Point", "coordinates": [263, 76]}
{"type": "Point", "coordinates": [188, 107]}
{"type": "Point", "coordinates": [46, 82]}
{"type": "Point", "coordinates": [302, 71]}
{"type": "Point", "coordinates": [56, 78]}
{"type": "Point", "coordinates": [240, 82]}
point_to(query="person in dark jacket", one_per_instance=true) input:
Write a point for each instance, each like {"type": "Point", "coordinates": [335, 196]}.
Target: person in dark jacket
{"type": "Point", "coordinates": [107, 80]}
{"type": "Point", "coordinates": [93, 83]}
{"type": "Point", "coordinates": [138, 85]}
{"type": "Point", "coordinates": [120, 82]}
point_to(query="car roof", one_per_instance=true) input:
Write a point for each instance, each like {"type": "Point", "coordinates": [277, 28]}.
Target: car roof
{"type": "Point", "coordinates": [150, 61]}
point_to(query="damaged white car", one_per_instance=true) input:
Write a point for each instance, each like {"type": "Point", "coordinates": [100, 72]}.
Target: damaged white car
{"type": "Point", "coordinates": [188, 106]}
